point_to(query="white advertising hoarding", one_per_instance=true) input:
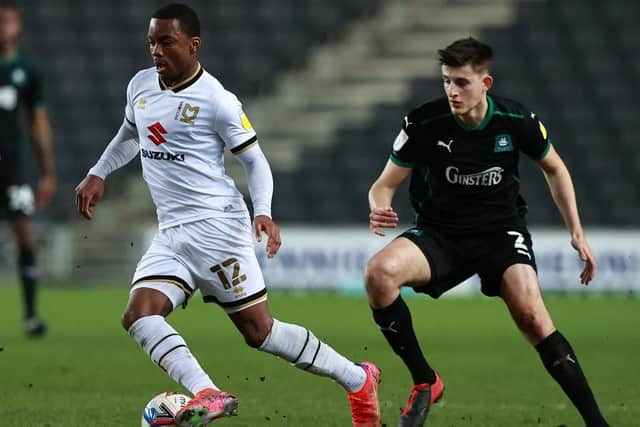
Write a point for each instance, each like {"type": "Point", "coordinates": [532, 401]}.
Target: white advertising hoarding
{"type": "Point", "coordinates": [327, 258]}
{"type": "Point", "coordinates": [331, 258]}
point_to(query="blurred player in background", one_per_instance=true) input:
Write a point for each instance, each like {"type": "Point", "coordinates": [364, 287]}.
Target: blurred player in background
{"type": "Point", "coordinates": [462, 153]}
{"type": "Point", "coordinates": [21, 91]}
{"type": "Point", "coordinates": [180, 119]}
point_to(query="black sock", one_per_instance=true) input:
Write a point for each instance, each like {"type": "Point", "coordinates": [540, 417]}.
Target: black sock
{"type": "Point", "coordinates": [561, 362]}
{"type": "Point", "coordinates": [395, 323]}
{"type": "Point", "coordinates": [29, 279]}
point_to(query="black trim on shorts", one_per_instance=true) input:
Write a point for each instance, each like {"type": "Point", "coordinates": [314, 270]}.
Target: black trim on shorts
{"type": "Point", "coordinates": [181, 283]}
{"type": "Point", "coordinates": [211, 298]}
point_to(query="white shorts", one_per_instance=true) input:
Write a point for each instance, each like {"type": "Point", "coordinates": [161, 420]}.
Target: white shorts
{"type": "Point", "coordinates": [215, 255]}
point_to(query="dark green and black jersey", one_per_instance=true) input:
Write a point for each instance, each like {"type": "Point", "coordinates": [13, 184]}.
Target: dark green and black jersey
{"type": "Point", "coordinates": [466, 179]}
{"type": "Point", "coordinates": [20, 89]}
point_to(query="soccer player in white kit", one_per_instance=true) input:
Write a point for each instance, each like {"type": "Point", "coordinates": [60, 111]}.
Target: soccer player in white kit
{"type": "Point", "coordinates": [180, 119]}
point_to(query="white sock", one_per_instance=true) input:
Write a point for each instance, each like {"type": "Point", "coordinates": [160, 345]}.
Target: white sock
{"type": "Point", "coordinates": [169, 351]}
{"type": "Point", "coordinates": [301, 348]}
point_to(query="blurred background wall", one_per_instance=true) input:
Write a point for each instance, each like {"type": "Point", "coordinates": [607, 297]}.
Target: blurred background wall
{"type": "Point", "coordinates": [326, 84]}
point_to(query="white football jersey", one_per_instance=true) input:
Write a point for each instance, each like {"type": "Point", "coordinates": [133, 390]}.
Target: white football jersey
{"type": "Point", "coordinates": [183, 131]}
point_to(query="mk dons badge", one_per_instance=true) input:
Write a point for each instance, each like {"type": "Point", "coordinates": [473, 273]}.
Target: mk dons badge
{"type": "Point", "coordinates": [189, 113]}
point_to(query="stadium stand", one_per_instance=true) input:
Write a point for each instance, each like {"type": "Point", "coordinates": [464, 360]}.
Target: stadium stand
{"type": "Point", "coordinates": [89, 51]}
{"type": "Point", "coordinates": [572, 62]}
{"type": "Point", "coordinates": [326, 84]}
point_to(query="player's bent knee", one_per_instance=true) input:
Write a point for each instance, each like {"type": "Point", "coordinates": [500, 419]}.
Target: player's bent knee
{"type": "Point", "coordinates": [254, 324]}
{"type": "Point", "coordinates": [256, 335]}
{"type": "Point", "coordinates": [130, 317]}
{"type": "Point", "coordinates": [534, 325]}
{"type": "Point", "coordinates": [381, 275]}
{"type": "Point", "coordinates": [133, 314]}
{"type": "Point", "coordinates": [255, 340]}
{"type": "Point", "coordinates": [145, 302]}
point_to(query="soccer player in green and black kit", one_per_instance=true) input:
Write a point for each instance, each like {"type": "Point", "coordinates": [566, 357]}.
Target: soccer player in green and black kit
{"type": "Point", "coordinates": [21, 90]}
{"type": "Point", "coordinates": [462, 153]}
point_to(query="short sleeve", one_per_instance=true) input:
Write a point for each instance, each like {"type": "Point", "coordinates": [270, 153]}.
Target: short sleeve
{"type": "Point", "coordinates": [404, 146]}
{"type": "Point", "coordinates": [535, 142]}
{"type": "Point", "coordinates": [233, 125]}
{"type": "Point", "coordinates": [128, 109]}
{"type": "Point", "coordinates": [34, 93]}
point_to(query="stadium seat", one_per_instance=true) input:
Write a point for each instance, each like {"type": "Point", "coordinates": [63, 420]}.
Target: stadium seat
{"type": "Point", "coordinates": [572, 62]}
{"type": "Point", "coordinates": [88, 52]}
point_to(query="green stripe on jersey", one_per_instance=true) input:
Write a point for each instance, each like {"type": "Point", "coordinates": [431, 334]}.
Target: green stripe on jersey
{"type": "Point", "coordinates": [401, 163]}
{"type": "Point", "coordinates": [512, 115]}
{"type": "Point", "coordinates": [546, 150]}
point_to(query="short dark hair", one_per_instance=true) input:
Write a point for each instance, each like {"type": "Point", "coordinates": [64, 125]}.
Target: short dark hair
{"type": "Point", "coordinates": [8, 4]}
{"type": "Point", "coordinates": [467, 51]}
{"type": "Point", "coordinates": [187, 17]}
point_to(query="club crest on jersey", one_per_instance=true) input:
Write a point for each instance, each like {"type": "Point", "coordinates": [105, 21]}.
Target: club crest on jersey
{"type": "Point", "coordinates": [142, 102]}
{"type": "Point", "coordinates": [157, 130]}
{"type": "Point", "coordinates": [503, 143]}
{"type": "Point", "coordinates": [19, 77]}
{"type": "Point", "coordinates": [187, 113]}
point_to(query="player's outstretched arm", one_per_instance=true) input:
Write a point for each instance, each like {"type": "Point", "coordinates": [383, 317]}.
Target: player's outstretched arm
{"type": "Point", "coordinates": [563, 193]}
{"type": "Point", "coordinates": [381, 194]}
{"type": "Point", "coordinates": [88, 194]}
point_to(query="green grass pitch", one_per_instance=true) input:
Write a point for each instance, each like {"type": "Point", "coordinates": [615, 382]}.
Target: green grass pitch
{"type": "Point", "coordinates": [88, 372]}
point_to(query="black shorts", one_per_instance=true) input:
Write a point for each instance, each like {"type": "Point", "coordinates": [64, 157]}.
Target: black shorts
{"type": "Point", "coordinates": [16, 197]}
{"type": "Point", "coordinates": [453, 258]}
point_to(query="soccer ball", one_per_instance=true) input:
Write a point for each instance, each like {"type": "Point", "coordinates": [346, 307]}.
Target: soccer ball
{"type": "Point", "coordinates": [162, 409]}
